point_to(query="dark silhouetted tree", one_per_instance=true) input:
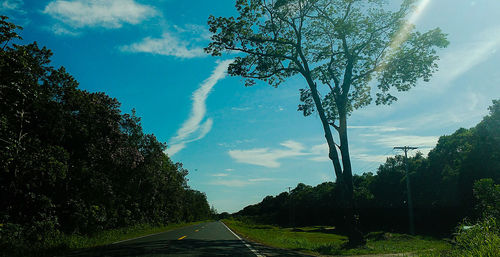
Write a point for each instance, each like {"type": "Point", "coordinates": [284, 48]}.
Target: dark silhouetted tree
{"type": "Point", "coordinates": [338, 47]}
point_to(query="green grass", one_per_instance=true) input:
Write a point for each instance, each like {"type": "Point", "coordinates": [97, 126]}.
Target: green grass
{"type": "Point", "coordinates": [62, 243]}
{"type": "Point", "coordinates": [115, 235]}
{"type": "Point", "coordinates": [323, 240]}
{"type": "Point", "coordinates": [479, 240]}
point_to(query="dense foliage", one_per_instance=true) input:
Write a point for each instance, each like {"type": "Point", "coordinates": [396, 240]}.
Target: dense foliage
{"type": "Point", "coordinates": [70, 162]}
{"type": "Point", "coordinates": [442, 187]}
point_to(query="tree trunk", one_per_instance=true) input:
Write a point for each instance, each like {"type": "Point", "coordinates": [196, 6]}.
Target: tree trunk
{"type": "Point", "coordinates": [332, 150]}
{"type": "Point", "coordinates": [344, 176]}
{"type": "Point", "coordinates": [355, 235]}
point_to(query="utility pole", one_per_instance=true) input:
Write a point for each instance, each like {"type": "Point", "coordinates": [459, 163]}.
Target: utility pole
{"type": "Point", "coordinates": [408, 191]}
{"type": "Point", "coordinates": [291, 216]}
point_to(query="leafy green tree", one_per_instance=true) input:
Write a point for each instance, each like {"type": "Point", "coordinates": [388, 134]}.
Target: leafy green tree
{"type": "Point", "coordinates": [71, 162]}
{"type": "Point", "coordinates": [338, 47]}
{"type": "Point", "coordinates": [488, 198]}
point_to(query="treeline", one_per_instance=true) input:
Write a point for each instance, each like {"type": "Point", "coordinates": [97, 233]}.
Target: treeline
{"type": "Point", "coordinates": [441, 187]}
{"type": "Point", "coordinates": [71, 162]}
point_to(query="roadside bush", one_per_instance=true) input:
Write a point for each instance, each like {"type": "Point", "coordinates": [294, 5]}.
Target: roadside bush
{"type": "Point", "coordinates": [481, 239]}
{"type": "Point", "coordinates": [488, 198]}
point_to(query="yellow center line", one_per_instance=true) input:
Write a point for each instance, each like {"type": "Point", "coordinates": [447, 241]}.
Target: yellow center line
{"type": "Point", "coordinates": [182, 237]}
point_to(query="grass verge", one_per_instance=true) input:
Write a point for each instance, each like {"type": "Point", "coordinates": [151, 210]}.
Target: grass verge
{"type": "Point", "coordinates": [324, 240]}
{"type": "Point", "coordinates": [62, 243]}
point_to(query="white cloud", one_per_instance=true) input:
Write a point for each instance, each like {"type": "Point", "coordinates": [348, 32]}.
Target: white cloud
{"type": "Point", "coordinates": [229, 169]}
{"type": "Point", "coordinates": [61, 30]}
{"type": "Point", "coordinates": [424, 143]}
{"type": "Point", "coordinates": [168, 45]}
{"type": "Point", "coordinates": [109, 14]}
{"type": "Point", "coordinates": [370, 158]}
{"type": "Point", "coordinates": [390, 141]}
{"type": "Point", "coordinates": [239, 182]}
{"type": "Point", "coordinates": [230, 182]}
{"type": "Point", "coordinates": [14, 8]}
{"type": "Point", "coordinates": [193, 129]}
{"type": "Point", "coordinates": [234, 144]}
{"type": "Point", "coordinates": [261, 179]}
{"type": "Point", "coordinates": [200, 31]}
{"type": "Point", "coordinates": [377, 128]}
{"type": "Point", "coordinates": [11, 5]}
{"type": "Point", "coordinates": [175, 148]}
{"type": "Point", "coordinates": [220, 175]}
{"type": "Point", "coordinates": [459, 60]}
{"type": "Point", "coordinates": [268, 157]}
{"type": "Point", "coordinates": [320, 153]}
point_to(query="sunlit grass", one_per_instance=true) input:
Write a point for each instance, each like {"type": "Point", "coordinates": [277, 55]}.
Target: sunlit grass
{"type": "Point", "coordinates": [323, 240]}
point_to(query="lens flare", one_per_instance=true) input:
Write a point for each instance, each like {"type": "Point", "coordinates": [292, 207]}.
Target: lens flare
{"type": "Point", "coordinates": [404, 31]}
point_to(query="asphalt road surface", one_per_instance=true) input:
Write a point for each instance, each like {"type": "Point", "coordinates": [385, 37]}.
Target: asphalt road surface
{"type": "Point", "coordinates": [206, 239]}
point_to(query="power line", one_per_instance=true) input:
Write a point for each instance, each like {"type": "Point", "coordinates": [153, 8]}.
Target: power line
{"type": "Point", "coordinates": [372, 165]}
{"type": "Point", "coordinates": [408, 191]}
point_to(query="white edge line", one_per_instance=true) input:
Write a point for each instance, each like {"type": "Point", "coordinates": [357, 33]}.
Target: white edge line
{"type": "Point", "coordinates": [243, 241]}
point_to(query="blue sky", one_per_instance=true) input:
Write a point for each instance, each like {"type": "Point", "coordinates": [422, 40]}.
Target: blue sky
{"type": "Point", "coordinates": [241, 144]}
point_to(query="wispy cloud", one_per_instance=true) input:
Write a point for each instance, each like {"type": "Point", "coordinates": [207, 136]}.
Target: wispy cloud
{"type": "Point", "coordinates": [377, 128]}
{"type": "Point", "coordinates": [234, 144]}
{"type": "Point", "coordinates": [168, 45]}
{"type": "Point", "coordinates": [220, 175]}
{"type": "Point", "coordinates": [239, 182]}
{"type": "Point", "coordinates": [459, 60]}
{"type": "Point", "coordinates": [59, 29]}
{"type": "Point", "coordinates": [11, 5]}
{"type": "Point", "coordinates": [261, 179]}
{"type": "Point", "coordinates": [268, 157]}
{"type": "Point", "coordinates": [320, 153]}
{"type": "Point", "coordinates": [78, 14]}
{"type": "Point", "coordinates": [179, 41]}
{"type": "Point", "coordinates": [380, 135]}
{"type": "Point", "coordinates": [371, 157]}
{"type": "Point", "coordinates": [194, 128]}
{"type": "Point", "coordinates": [424, 143]}
{"type": "Point", "coordinates": [230, 182]}
{"type": "Point", "coordinates": [200, 31]}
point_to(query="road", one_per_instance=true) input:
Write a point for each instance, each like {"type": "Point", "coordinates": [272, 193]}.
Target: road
{"type": "Point", "coordinates": [205, 239]}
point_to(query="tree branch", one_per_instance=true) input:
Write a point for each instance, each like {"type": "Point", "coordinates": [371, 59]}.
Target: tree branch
{"type": "Point", "coordinates": [375, 65]}
{"type": "Point", "coordinates": [259, 53]}
{"type": "Point", "coordinates": [334, 126]}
